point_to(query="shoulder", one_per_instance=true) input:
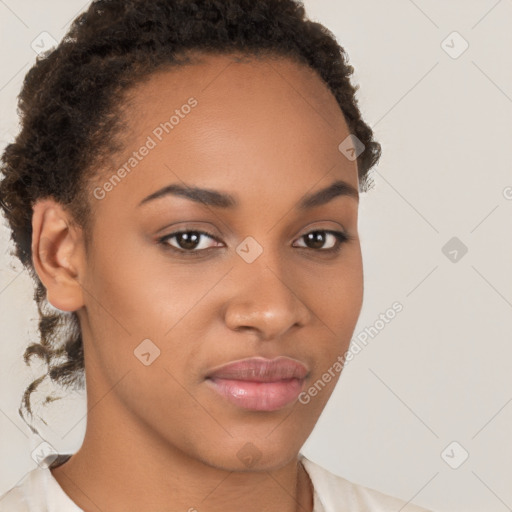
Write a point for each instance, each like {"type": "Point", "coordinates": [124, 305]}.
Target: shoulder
{"type": "Point", "coordinates": [27, 495]}
{"type": "Point", "coordinates": [38, 491]}
{"type": "Point", "coordinates": [333, 493]}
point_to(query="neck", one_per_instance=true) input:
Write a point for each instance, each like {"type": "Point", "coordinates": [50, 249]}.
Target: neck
{"type": "Point", "coordinates": [120, 468]}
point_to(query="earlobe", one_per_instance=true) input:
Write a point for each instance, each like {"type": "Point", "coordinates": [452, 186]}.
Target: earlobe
{"type": "Point", "coordinates": [56, 254]}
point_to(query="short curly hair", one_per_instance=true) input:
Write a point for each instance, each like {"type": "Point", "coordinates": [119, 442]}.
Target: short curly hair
{"type": "Point", "coordinates": [70, 105]}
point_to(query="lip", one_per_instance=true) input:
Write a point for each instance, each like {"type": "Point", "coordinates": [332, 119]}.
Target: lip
{"type": "Point", "coordinates": [259, 384]}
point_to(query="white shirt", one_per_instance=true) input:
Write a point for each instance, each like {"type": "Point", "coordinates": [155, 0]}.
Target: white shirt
{"type": "Point", "coordinates": [39, 491]}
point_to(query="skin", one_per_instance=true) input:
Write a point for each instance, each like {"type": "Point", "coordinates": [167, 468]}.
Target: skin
{"type": "Point", "coordinates": [266, 132]}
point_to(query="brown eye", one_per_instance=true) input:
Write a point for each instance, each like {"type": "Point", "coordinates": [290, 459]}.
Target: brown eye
{"type": "Point", "coordinates": [187, 241]}
{"type": "Point", "coordinates": [317, 239]}
{"type": "Point", "coordinates": [193, 242]}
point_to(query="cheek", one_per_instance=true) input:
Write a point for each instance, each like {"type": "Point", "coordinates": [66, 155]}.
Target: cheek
{"type": "Point", "coordinates": [134, 287]}
{"type": "Point", "coordinates": [138, 313]}
{"type": "Point", "coordinates": [135, 296]}
{"type": "Point", "coordinates": [337, 306]}
{"type": "Point", "coordinates": [338, 293]}
{"type": "Point", "coordinates": [338, 310]}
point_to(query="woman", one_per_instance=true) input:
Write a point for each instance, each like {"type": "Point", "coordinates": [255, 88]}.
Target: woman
{"type": "Point", "coordinates": [184, 191]}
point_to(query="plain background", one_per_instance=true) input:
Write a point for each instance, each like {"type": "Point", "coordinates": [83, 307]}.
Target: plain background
{"type": "Point", "coordinates": [438, 372]}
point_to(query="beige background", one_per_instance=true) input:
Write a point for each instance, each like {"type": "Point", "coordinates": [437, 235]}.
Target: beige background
{"type": "Point", "coordinates": [440, 371]}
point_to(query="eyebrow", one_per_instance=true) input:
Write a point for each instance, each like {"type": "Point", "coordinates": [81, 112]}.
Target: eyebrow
{"type": "Point", "coordinates": [218, 199]}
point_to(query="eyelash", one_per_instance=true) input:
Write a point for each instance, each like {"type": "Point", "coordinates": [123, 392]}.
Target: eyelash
{"type": "Point", "coordinates": [341, 238]}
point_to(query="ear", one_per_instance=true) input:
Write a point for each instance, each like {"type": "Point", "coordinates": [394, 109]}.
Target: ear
{"type": "Point", "coordinates": [57, 254]}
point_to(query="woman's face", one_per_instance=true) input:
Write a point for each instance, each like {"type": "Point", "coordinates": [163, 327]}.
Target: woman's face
{"type": "Point", "coordinates": [161, 314]}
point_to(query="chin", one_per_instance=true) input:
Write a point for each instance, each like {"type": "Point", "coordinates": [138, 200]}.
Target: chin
{"type": "Point", "coordinates": [251, 454]}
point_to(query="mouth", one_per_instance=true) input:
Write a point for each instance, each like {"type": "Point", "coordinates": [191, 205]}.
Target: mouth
{"type": "Point", "coordinates": [259, 384]}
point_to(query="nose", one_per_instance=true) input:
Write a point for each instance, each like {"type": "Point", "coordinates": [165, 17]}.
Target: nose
{"type": "Point", "coordinates": [265, 301]}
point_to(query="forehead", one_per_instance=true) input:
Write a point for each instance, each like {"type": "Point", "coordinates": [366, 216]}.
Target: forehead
{"type": "Point", "coordinates": [234, 124]}
{"type": "Point", "coordinates": [242, 83]}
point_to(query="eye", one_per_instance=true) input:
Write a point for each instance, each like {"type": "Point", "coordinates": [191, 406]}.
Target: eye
{"type": "Point", "coordinates": [189, 242]}
{"type": "Point", "coordinates": [319, 237]}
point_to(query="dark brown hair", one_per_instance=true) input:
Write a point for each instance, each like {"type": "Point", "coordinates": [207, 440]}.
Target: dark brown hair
{"type": "Point", "coordinates": [70, 105]}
